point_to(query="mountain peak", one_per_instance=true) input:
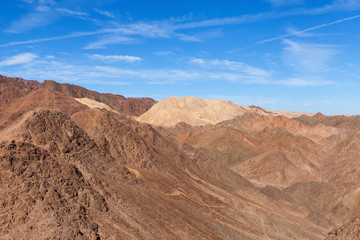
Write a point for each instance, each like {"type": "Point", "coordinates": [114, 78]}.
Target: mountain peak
{"type": "Point", "coordinates": [190, 110]}
{"type": "Point", "coordinates": [319, 116]}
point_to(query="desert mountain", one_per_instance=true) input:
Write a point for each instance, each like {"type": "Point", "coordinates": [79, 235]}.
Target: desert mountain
{"type": "Point", "coordinates": [292, 114]}
{"type": "Point", "coordinates": [74, 165]}
{"type": "Point", "coordinates": [14, 88]}
{"type": "Point", "coordinates": [142, 186]}
{"type": "Point", "coordinates": [197, 112]}
{"type": "Point", "coordinates": [309, 161]}
{"type": "Point", "coordinates": [193, 111]}
{"type": "Point", "coordinates": [125, 106]}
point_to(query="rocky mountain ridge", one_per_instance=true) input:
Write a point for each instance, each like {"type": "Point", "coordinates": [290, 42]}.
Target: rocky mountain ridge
{"type": "Point", "coordinates": [83, 169]}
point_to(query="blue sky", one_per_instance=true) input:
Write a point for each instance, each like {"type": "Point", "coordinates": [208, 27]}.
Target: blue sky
{"type": "Point", "coordinates": [280, 54]}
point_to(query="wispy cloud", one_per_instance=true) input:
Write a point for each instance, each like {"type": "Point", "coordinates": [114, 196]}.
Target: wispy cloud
{"type": "Point", "coordinates": [18, 59]}
{"type": "Point", "coordinates": [212, 70]}
{"type": "Point", "coordinates": [72, 35]}
{"type": "Point", "coordinates": [105, 13]}
{"type": "Point", "coordinates": [225, 21]}
{"type": "Point", "coordinates": [40, 15]}
{"type": "Point", "coordinates": [280, 3]}
{"type": "Point", "coordinates": [32, 20]}
{"type": "Point", "coordinates": [305, 57]}
{"type": "Point", "coordinates": [188, 38]}
{"type": "Point", "coordinates": [168, 28]}
{"type": "Point", "coordinates": [163, 53]}
{"type": "Point", "coordinates": [70, 12]}
{"type": "Point", "coordinates": [307, 30]}
{"type": "Point", "coordinates": [233, 66]}
{"type": "Point", "coordinates": [123, 58]}
{"type": "Point", "coordinates": [106, 40]}
{"type": "Point", "coordinates": [298, 82]}
{"type": "Point", "coordinates": [335, 6]}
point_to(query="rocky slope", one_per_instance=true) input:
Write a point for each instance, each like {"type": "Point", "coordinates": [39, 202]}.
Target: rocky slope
{"type": "Point", "coordinates": [348, 231]}
{"type": "Point", "coordinates": [309, 162]}
{"type": "Point", "coordinates": [125, 106]}
{"type": "Point", "coordinates": [13, 88]}
{"type": "Point", "coordinates": [142, 187]}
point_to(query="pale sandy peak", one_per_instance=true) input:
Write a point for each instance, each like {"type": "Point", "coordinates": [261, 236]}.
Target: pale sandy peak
{"type": "Point", "coordinates": [191, 110]}
{"type": "Point", "coordinates": [293, 114]}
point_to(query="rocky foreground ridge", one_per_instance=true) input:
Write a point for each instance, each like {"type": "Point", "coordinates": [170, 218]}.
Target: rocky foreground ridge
{"type": "Point", "coordinates": [82, 169]}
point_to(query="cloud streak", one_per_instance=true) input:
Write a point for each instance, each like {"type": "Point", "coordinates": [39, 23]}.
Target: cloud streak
{"type": "Point", "coordinates": [298, 82]}
{"type": "Point", "coordinates": [308, 29]}
{"type": "Point", "coordinates": [305, 57]}
{"type": "Point", "coordinates": [70, 12]}
{"type": "Point", "coordinates": [105, 13]}
{"type": "Point", "coordinates": [170, 28]}
{"type": "Point", "coordinates": [211, 70]}
{"type": "Point", "coordinates": [280, 3]}
{"type": "Point", "coordinates": [22, 58]}
{"type": "Point", "coordinates": [121, 58]}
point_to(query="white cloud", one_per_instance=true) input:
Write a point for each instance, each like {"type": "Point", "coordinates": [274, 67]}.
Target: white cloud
{"type": "Point", "coordinates": [41, 15]}
{"type": "Point", "coordinates": [105, 13]}
{"type": "Point", "coordinates": [307, 30]}
{"type": "Point", "coordinates": [337, 5]}
{"type": "Point", "coordinates": [70, 12]}
{"type": "Point", "coordinates": [225, 21]}
{"type": "Point", "coordinates": [110, 40]}
{"type": "Point", "coordinates": [297, 82]}
{"type": "Point", "coordinates": [49, 68]}
{"type": "Point", "coordinates": [163, 53]}
{"type": "Point", "coordinates": [28, 1]}
{"type": "Point", "coordinates": [305, 57]}
{"type": "Point", "coordinates": [279, 3]}
{"type": "Point", "coordinates": [123, 58]}
{"type": "Point", "coordinates": [168, 28]}
{"type": "Point", "coordinates": [198, 61]}
{"type": "Point", "coordinates": [188, 38]}
{"type": "Point", "coordinates": [233, 66]}
{"type": "Point", "coordinates": [72, 35]}
{"type": "Point", "coordinates": [22, 58]}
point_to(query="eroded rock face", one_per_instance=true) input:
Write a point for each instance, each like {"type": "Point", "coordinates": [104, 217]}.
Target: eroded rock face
{"type": "Point", "coordinates": [348, 231]}
{"type": "Point", "coordinates": [43, 197]}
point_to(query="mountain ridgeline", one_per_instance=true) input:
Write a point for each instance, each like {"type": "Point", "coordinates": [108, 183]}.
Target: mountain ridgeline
{"type": "Point", "coordinates": [78, 164]}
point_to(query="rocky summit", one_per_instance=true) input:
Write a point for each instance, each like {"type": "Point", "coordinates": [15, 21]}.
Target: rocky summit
{"type": "Point", "coordinates": [78, 164]}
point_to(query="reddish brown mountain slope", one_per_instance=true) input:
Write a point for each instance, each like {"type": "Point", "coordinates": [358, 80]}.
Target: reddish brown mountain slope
{"type": "Point", "coordinates": [317, 167]}
{"type": "Point", "coordinates": [125, 106]}
{"type": "Point", "coordinates": [81, 190]}
{"type": "Point", "coordinates": [39, 98]}
{"type": "Point", "coordinates": [86, 173]}
{"type": "Point", "coordinates": [14, 88]}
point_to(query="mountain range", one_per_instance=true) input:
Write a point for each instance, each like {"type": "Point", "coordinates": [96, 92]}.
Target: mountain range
{"type": "Point", "coordinates": [78, 164]}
